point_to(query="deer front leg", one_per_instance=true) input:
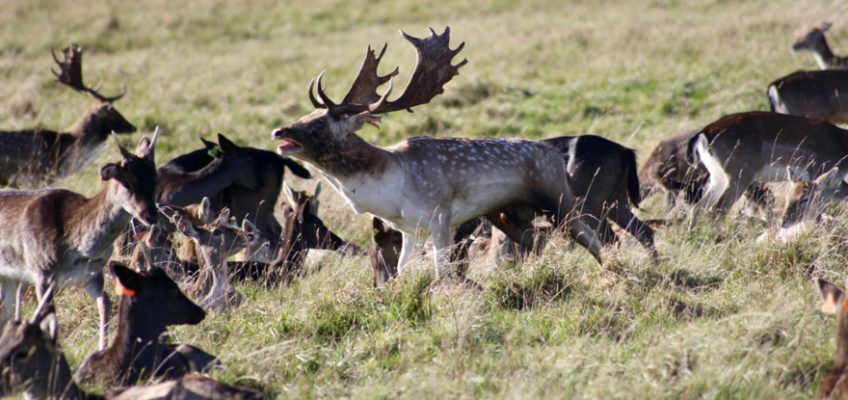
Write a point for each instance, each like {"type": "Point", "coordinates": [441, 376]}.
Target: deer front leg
{"type": "Point", "coordinates": [440, 231]}
{"type": "Point", "coordinates": [407, 247]}
{"type": "Point", "coordinates": [585, 236]}
{"type": "Point", "coordinates": [94, 288]}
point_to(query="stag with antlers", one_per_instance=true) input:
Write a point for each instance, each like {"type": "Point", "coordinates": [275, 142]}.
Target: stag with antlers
{"type": "Point", "coordinates": [34, 157]}
{"type": "Point", "coordinates": [427, 184]}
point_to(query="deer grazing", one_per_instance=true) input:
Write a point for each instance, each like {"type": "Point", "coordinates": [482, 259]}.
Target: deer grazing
{"type": "Point", "coordinates": [32, 362]}
{"type": "Point", "coordinates": [834, 384]}
{"type": "Point", "coordinates": [214, 242]}
{"type": "Point", "coordinates": [244, 179]}
{"type": "Point", "coordinates": [813, 94]}
{"type": "Point", "coordinates": [149, 302]}
{"type": "Point", "coordinates": [805, 207]}
{"type": "Point", "coordinates": [816, 42]}
{"type": "Point", "coordinates": [738, 149]}
{"type": "Point", "coordinates": [59, 236]}
{"type": "Point", "coordinates": [35, 157]}
{"type": "Point", "coordinates": [427, 184]}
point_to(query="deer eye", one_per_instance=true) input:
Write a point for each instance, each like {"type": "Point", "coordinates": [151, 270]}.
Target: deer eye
{"type": "Point", "coordinates": [216, 232]}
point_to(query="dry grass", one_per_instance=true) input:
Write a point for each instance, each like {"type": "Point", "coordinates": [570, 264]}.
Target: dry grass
{"type": "Point", "coordinates": [720, 318]}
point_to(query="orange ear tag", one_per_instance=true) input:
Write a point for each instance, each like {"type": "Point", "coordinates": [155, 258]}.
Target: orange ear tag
{"type": "Point", "coordinates": [845, 304]}
{"type": "Point", "coordinates": [122, 291]}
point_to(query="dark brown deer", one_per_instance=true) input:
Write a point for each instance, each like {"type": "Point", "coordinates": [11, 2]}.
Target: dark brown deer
{"type": "Point", "coordinates": [32, 362]}
{"type": "Point", "coordinates": [149, 303]}
{"type": "Point", "coordinates": [59, 236]}
{"type": "Point", "coordinates": [834, 384]}
{"type": "Point", "coordinates": [812, 94]}
{"type": "Point", "coordinates": [244, 179]}
{"type": "Point", "coordinates": [816, 42]}
{"type": "Point", "coordinates": [36, 157]}
{"type": "Point", "coordinates": [384, 252]}
{"type": "Point", "coordinates": [427, 184]}
{"type": "Point", "coordinates": [604, 176]}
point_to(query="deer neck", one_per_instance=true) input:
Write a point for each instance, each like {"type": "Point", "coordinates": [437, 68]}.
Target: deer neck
{"type": "Point", "coordinates": [824, 56]}
{"type": "Point", "coordinates": [139, 334]}
{"type": "Point", "coordinates": [352, 157]}
{"type": "Point", "coordinates": [93, 225]}
{"type": "Point", "coordinates": [840, 358]}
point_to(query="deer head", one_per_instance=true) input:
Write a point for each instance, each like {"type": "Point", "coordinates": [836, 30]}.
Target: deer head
{"type": "Point", "coordinates": [156, 293]}
{"type": "Point", "coordinates": [807, 198]}
{"type": "Point", "coordinates": [324, 132]}
{"type": "Point", "coordinates": [813, 38]}
{"type": "Point", "coordinates": [103, 115]}
{"type": "Point", "coordinates": [215, 240]}
{"type": "Point", "coordinates": [135, 176]}
{"type": "Point", "coordinates": [30, 360]}
{"type": "Point", "coordinates": [384, 252]}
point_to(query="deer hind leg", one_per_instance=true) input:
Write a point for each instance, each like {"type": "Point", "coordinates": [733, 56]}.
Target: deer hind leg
{"type": "Point", "coordinates": [94, 288]}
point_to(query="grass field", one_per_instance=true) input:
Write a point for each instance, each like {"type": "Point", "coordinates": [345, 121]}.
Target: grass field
{"type": "Point", "coordinates": [721, 317]}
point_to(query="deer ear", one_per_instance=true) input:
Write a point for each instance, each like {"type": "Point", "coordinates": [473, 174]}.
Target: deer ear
{"type": "Point", "coordinates": [208, 145]}
{"type": "Point", "coordinates": [109, 171]}
{"type": "Point", "coordinates": [825, 26]}
{"type": "Point", "coordinates": [145, 145]}
{"type": "Point", "coordinates": [832, 295]}
{"type": "Point", "coordinates": [377, 223]}
{"type": "Point", "coordinates": [126, 277]}
{"type": "Point", "coordinates": [248, 226]}
{"type": "Point", "coordinates": [313, 201]}
{"type": "Point", "coordinates": [223, 216]}
{"type": "Point", "coordinates": [205, 213]}
{"type": "Point", "coordinates": [227, 146]}
{"type": "Point", "coordinates": [185, 227]}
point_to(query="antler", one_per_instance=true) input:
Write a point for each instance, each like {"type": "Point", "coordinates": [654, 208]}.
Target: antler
{"type": "Point", "coordinates": [71, 73]}
{"type": "Point", "coordinates": [433, 69]}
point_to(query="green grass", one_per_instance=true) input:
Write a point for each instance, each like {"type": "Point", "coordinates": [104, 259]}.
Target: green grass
{"type": "Point", "coordinates": [721, 317]}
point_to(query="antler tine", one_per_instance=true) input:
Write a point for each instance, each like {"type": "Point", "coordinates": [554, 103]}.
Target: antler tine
{"type": "Point", "coordinates": [46, 299]}
{"type": "Point", "coordinates": [315, 102]}
{"type": "Point", "coordinates": [156, 132]}
{"type": "Point", "coordinates": [433, 69]}
{"type": "Point", "coordinates": [70, 73]}
{"type": "Point", "coordinates": [329, 104]}
{"type": "Point", "coordinates": [363, 91]}
{"type": "Point", "coordinates": [124, 152]}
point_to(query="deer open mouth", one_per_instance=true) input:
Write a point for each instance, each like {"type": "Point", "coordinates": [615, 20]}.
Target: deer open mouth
{"type": "Point", "coordinates": [288, 147]}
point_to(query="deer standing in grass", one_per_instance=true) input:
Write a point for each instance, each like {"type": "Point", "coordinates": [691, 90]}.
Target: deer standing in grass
{"type": "Point", "coordinates": [35, 157]}
{"type": "Point", "coordinates": [32, 362]}
{"type": "Point", "coordinates": [816, 42]}
{"type": "Point", "coordinates": [739, 149]}
{"type": "Point", "coordinates": [59, 236]}
{"type": "Point", "coordinates": [424, 183]}
{"type": "Point", "coordinates": [149, 302]}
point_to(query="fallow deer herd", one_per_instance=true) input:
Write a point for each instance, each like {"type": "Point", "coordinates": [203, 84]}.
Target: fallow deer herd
{"type": "Point", "coordinates": [219, 200]}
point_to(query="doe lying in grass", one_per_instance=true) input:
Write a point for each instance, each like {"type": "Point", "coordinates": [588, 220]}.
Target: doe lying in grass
{"type": "Point", "coordinates": [149, 303]}
{"type": "Point", "coordinates": [32, 362]}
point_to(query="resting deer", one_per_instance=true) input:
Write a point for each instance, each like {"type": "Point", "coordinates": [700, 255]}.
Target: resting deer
{"type": "Point", "coordinates": [427, 183]}
{"type": "Point", "coordinates": [834, 384]}
{"type": "Point", "coordinates": [35, 157]}
{"type": "Point", "coordinates": [59, 236]}
{"type": "Point", "coordinates": [149, 303]}
{"type": "Point", "coordinates": [244, 179]}
{"type": "Point", "coordinates": [739, 149]}
{"type": "Point", "coordinates": [214, 242]}
{"type": "Point", "coordinates": [32, 362]}
{"type": "Point", "coordinates": [815, 42]}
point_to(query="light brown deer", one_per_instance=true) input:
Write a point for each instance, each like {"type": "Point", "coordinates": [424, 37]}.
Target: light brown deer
{"type": "Point", "coordinates": [427, 184]}
{"type": "Point", "coordinates": [32, 362]}
{"type": "Point", "coordinates": [35, 157]}
{"type": "Point", "coordinates": [815, 42]}
{"type": "Point", "coordinates": [59, 236]}
{"type": "Point", "coordinates": [805, 206]}
{"type": "Point", "coordinates": [214, 242]}
{"type": "Point", "coordinates": [834, 384]}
